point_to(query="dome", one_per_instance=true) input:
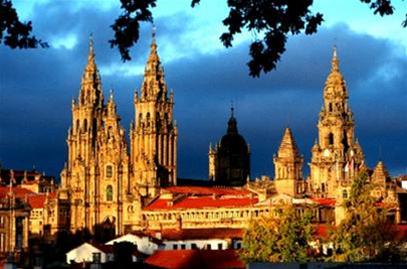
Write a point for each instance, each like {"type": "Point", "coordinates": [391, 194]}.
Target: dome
{"type": "Point", "coordinates": [232, 141]}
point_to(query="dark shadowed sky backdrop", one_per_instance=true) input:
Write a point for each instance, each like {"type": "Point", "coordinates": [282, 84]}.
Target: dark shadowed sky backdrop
{"type": "Point", "coordinates": [37, 86]}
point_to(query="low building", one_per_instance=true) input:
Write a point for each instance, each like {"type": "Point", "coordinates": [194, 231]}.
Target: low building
{"type": "Point", "coordinates": [216, 239]}
{"type": "Point", "coordinates": [87, 253]}
{"type": "Point", "coordinates": [144, 243]}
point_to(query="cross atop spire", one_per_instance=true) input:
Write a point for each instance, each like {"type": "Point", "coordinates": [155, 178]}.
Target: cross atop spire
{"type": "Point", "coordinates": [232, 123]}
{"type": "Point", "coordinates": [153, 41]}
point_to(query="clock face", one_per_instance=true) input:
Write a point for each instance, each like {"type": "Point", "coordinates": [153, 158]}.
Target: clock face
{"type": "Point", "coordinates": [326, 153]}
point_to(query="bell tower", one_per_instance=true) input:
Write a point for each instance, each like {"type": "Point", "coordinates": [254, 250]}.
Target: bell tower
{"type": "Point", "coordinates": [337, 155]}
{"type": "Point", "coordinates": [288, 165]}
{"type": "Point", "coordinates": [80, 172]}
{"type": "Point", "coordinates": [153, 133]}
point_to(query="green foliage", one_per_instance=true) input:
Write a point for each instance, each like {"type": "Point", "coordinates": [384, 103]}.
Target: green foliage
{"type": "Point", "coordinates": [269, 20]}
{"type": "Point", "coordinates": [364, 234]}
{"type": "Point", "coordinates": [13, 32]}
{"type": "Point", "coordinates": [283, 236]}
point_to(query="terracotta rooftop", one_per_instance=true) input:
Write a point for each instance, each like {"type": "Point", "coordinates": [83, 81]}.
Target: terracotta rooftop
{"type": "Point", "coordinates": [188, 197]}
{"type": "Point", "coordinates": [324, 201]}
{"type": "Point", "coordinates": [207, 190]}
{"type": "Point", "coordinates": [199, 259]}
{"type": "Point", "coordinates": [35, 200]}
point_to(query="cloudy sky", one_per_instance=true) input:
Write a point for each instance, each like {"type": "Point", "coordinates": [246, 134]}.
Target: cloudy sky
{"type": "Point", "coordinates": [37, 86]}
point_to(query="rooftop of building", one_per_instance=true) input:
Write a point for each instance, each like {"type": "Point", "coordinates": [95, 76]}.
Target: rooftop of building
{"type": "Point", "coordinates": [186, 197]}
{"type": "Point", "coordinates": [195, 259]}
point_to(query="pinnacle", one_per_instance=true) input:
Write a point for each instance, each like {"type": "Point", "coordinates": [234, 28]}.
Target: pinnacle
{"type": "Point", "coordinates": [335, 60]}
{"type": "Point", "coordinates": [380, 171]}
{"type": "Point", "coordinates": [288, 147]}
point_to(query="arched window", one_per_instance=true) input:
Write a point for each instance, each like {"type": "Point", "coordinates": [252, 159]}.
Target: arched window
{"type": "Point", "coordinates": [330, 107]}
{"type": "Point", "coordinates": [85, 124]}
{"type": "Point", "coordinates": [109, 193]}
{"type": "Point", "coordinates": [77, 124]}
{"type": "Point", "coordinates": [109, 171]}
{"type": "Point", "coordinates": [323, 187]}
{"type": "Point", "coordinates": [331, 139]}
{"type": "Point", "coordinates": [345, 194]}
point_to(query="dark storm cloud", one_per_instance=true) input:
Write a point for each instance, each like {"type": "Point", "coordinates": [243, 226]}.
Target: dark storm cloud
{"type": "Point", "coordinates": [37, 87]}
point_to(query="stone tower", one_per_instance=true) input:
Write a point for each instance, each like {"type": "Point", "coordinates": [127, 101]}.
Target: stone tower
{"type": "Point", "coordinates": [229, 161]}
{"type": "Point", "coordinates": [288, 165]}
{"type": "Point", "coordinates": [95, 178]}
{"type": "Point", "coordinates": [154, 134]}
{"type": "Point", "coordinates": [336, 156]}
{"type": "Point", "coordinates": [79, 174]}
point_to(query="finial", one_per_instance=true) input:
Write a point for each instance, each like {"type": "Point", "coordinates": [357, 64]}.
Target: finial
{"type": "Point", "coordinates": [154, 30]}
{"type": "Point", "coordinates": [91, 48]}
{"type": "Point", "coordinates": [232, 110]}
{"type": "Point", "coordinates": [335, 60]}
{"type": "Point", "coordinates": [111, 94]}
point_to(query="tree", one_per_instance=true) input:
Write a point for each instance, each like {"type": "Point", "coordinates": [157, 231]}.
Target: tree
{"type": "Point", "coordinates": [13, 32]}
{"type": "Point", "coordinates": [364, 234]}
{"type": "Point", "coordinates": [283, 236]}
{"type": "Point", "coordinates": [271, 20]}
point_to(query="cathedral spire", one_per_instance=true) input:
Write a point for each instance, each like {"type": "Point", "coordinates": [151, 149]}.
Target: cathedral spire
{"type": "Point", "coordinates": [91, 64]}
{"type": "Point", "coordinates": [288, 147]}
{"type": "Point", "coordinates": [154, 86]}
{"type": "Point", "coordinates": [91, 85]}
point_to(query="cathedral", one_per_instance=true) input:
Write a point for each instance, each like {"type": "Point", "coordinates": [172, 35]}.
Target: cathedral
{"type": "Point", "coordinates": [103, 182]}
{"type": "Point", "coordinates": [107, 182]}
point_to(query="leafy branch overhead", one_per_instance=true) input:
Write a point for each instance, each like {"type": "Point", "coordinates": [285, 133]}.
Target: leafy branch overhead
{"type": "Point", "coordinates": [272, 20]}
{"type": "Point", "coordinates": [13, 32]}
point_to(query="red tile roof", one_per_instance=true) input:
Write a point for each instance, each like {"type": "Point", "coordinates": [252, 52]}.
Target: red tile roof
{"type": "Point", "coordinates": [207, 190]}
{"type": "Point", "coordinates": [200, 202]}
{"type": "Point", "coordinates": [199, 259]}
{"type": "Point", "coordinates": [324, 201]}
{"type": "Point", "coordinates": [187, 197]}
{"type": "Point", "coordinates": [35, 200]}
{"type": "Point", "coordinates": [190, 234]}
{"type": "Point", "coordinates": [17, 191]}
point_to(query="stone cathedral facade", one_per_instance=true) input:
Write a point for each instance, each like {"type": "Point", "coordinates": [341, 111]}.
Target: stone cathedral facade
{"type": "Point", "coordinates": [102, 183]}
{"type": "Point", "coordinates": [107, 182]}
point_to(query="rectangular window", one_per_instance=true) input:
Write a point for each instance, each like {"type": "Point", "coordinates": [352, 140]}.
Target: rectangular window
{"type": "Point", "coordinates": [109, 171]}
{"type": "Point", "coordinates": [208, 246]}
{"type": "Point", "coordinates": [194, 246]}
{"type": "Point", "coordinates": [220, 246]}
{"type": "Point", "coordinates": [183, 246]}
{"type": "Point", "coordinates": [174, 246]}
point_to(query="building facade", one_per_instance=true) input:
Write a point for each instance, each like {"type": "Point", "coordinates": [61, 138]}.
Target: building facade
{"type": "Point", "coordinates": [106, 184]}
{"type": "Point", "coordinates": [336, 156]}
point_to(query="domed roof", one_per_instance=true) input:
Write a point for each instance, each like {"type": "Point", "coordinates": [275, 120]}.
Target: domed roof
{"type": "Point", "coordinates": [232, 141]}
